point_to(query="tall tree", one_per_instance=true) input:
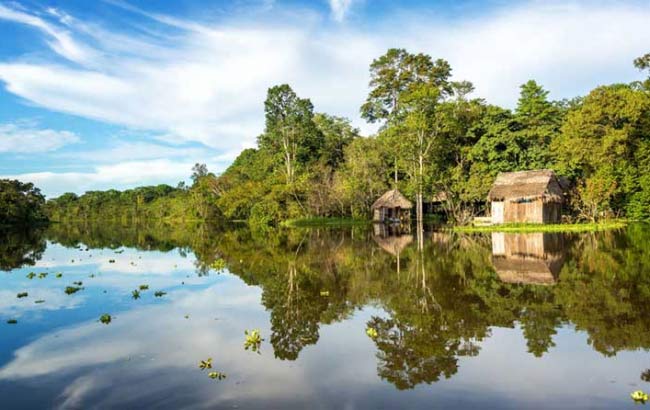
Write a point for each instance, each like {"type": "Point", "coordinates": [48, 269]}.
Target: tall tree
{"type": "Point", "coordinates": [290, 128]}
{"type": "Point", "coordinates": [394, 73]}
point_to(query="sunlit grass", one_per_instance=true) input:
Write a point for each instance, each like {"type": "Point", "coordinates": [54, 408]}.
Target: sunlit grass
{"type": "Point", "coordinates": [577, 227]}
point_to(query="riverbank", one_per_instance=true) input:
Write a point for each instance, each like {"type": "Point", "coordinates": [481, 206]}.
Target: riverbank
{"type": "Point", "coordinates": [523, 228]}
{"type": "Point", "coordinates": [323, 221]}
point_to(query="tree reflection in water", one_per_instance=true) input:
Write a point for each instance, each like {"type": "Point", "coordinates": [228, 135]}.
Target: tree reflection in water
{"type": "Point", "coordinates": [441, 292]}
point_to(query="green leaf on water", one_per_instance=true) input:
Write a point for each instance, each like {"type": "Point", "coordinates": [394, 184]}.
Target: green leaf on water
{"type": "Point", "coordinates": [105, 318]}
{"type": "Point", "coordinates": [42, 275]}
{"type": "Point", "coordinates": [135, 294]}
{"type": "Point", "coordinates": [59, 275]}
{"type": "Point", "coordinates": [253, 340]}
{"type": "Point", "coordinates": [31, 275]}
{"type": "Point", "coordinates": [216, 375]}
{"type": "Point", "coordinates": [205, 364]}
{"type": "Point", "coordinates": [22, 295]}
{"type": "Point", "coordinates": [72, 289]}
{"type": "Point", "coordinates": [144, 287]}
{"type": "Point", "coordinates": [159, 293]}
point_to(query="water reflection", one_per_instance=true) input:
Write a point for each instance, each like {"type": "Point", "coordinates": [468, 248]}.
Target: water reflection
{"type": "Point", "coordinates": [435, 303]}
{"type": "Point", "coordinates": [531, 258]}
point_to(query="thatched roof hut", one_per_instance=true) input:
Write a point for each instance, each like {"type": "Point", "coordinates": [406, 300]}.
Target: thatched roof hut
{"type": "Point", "coordinates": [392, 199]}
{"type": "Point", "coordinates": [526, 196]}
{"type": "Point", "coordinates": [393, 205]}
{"type": "Point", "coordinates": [526, 186]}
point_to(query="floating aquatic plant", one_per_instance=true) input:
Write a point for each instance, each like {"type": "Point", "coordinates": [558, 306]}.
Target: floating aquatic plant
{"type": "Point", "coordinates": [39, 301]}
{"type": "Point", "coordinates": [72, 289]}
{"type": "Point", "coordinates": [111, 261]}
{"type": "Point", "coordinates": [22, 295]}
{"type": "Point", "coordinates": [144, 287]}
{"type": "Point", "coordinates": [216, 375]}
{"type": "Point", "coordinates": [92, 275]}
{"type": "Point", "coordinates": [79, 283]}
{"type": "Point", "coordinates": [159, 293]}
{"type": "Point", "coordinates": [42, 275]}
{"type": "Point", "coordinates": [218, 265]}
{"type": "Point", "coordinates": [639, 396]}
{"type": "Point", "coordinates": [12, 321]}
{"type": "Point", "coordinates": [253, 340]}
{"type": "Point", "coordinates": [59, 275]}
{"type": "Point", "coordinates": [205, 364]}
{"type": "Point", "coordinates": [31, 275]}
{"type": "Point", "coordinates": [645, 376]}
{"type": "Point", "coordinates": [105, 318]}
{"type": "Point", "coordinates": [135, 294]}
{"type": "Point", "coordinates": [120, 251]}
{"type": "Point", "coordinates": [372, 332]}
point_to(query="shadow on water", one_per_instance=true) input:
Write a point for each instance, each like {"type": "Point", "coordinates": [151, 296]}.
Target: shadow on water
{"type": "Point", "coordinates": [441, 295]}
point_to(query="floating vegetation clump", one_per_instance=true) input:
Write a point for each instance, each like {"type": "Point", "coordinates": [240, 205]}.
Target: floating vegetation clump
{"type": "Point", "coordinates": [253, 340]}
{"type": "Point", "coordinates": [639, 396]}
{"type": "Point", "coordinates": [159, 293]}
{"type": "Point", "coordinates": [216, 375]}
{"type": "Point", "coordinates": [12, 321]}
{"type": "Point", "coordinates": [72, 289]}
{"type": "Point", "coordinates": [79, 283]}
{"type": "Point", "coordinates": [111, 261]}
{"type": "Point", "coordinates": [105, 318]}
{"type": "Point", "coordinates": [372, 332]}
{"type": "Point", "coordinates": [120, 251]}
{"type": "Point", "coordinates": [92, 275]}
{"type": "Point", "coordinates": [135, 294]}
{"type": "Point", "coordinates": [645, 376]}
{"type": "Point", "coordinates": [144, 287]}
{"type": "Point", "coordinates": [22, 295]}
{"type": "Point", "coordinates": [31, 275]}
{"type": "Point", "coordinates": [59, 275]}
{"type": "Point", "coordinates": [39, 301]}
{"type": "Point", "coordinates": [205, 364]}
{"type": "Point", "coordinates": [218, 265]}
{"type": "Point", "coordinates": [42, 275]}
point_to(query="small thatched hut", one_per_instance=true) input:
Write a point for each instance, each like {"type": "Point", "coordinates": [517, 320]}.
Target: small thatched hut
{"type": "Point", "coordinates": [391, 207]}
{"type": "Point", "coordinates": [526, 197]}
{"type": "Point", "coordinates": [530, 258]}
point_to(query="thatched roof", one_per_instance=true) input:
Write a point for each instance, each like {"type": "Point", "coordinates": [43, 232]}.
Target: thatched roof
{"type": "Point", "coordinates": [526, 271]}
{"type": "Point", "coordinates": [392, 199]}
{"type": "Point", "coordinates": [526, 186]}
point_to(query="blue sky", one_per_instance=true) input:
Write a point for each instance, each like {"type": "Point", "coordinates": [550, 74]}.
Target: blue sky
{"type": "Point", "coordinates": [116, 94]}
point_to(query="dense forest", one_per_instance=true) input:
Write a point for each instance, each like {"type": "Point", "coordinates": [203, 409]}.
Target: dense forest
{"type": "Point", "coordinates": [434, 138]}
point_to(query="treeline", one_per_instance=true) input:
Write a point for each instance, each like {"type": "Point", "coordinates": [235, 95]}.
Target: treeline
{"type": "Point", "coordinates": [434, 141]}
{"type": "Point", "coordinates": [160, 202]}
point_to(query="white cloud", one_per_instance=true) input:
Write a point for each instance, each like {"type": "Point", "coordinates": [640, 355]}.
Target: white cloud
{"type": "Point", "coordinates": [24, 137]}
{"type": "Point", "coordinates": [208, 82]}
{"type": "Point", "coordinates": [340, 8]}
{"type": "Point", "coordinates": [127, 174]}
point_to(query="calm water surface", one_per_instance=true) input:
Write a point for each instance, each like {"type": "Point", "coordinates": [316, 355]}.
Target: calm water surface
{"type": "Point", "coordinates": [503, 321]}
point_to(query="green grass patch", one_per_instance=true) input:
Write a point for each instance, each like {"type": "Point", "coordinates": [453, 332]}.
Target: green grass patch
{"type": "Point", "coordinates": [576, 227]}
{"type": "Point", "coordinates": [322, 221]}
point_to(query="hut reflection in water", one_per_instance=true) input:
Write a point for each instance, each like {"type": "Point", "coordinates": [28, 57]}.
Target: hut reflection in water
{"type": "Point", "coordinates": [528, 258]}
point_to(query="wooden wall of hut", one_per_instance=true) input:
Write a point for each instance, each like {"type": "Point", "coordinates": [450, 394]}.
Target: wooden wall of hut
{"type": "Point", "coordinates": [532, 212]}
